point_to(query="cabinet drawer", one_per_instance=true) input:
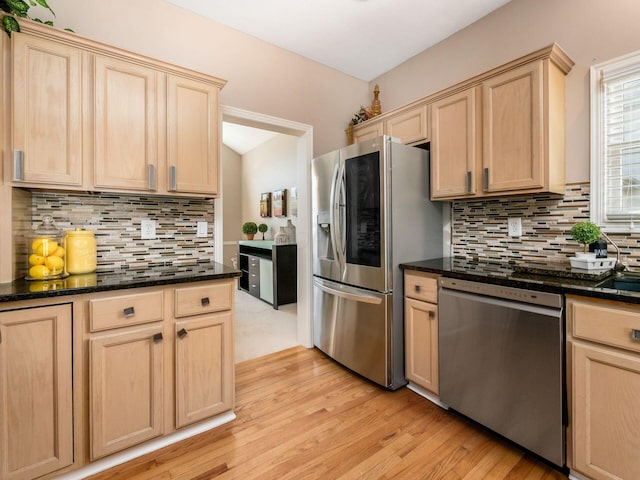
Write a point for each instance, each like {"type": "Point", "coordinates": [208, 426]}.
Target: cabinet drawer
{"type": "Point", "coordinates": [421, 286]}
{"type": "Point", "coordinates": [602, 321]}
{"type": "Point", "coordinates": [254, 264]}
{"type": "Point", "coordinates": [204, 299]}
{"type": "Point", "coordinates": [125, 310]}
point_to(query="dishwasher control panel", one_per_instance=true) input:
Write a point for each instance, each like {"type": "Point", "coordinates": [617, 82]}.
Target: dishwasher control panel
{"type": "Point", "coordinates": [553, 300]}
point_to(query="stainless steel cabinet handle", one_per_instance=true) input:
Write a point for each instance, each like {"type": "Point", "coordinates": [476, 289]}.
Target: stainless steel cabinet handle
{"type": "Point", "coordinates": [204, 301]}
{"type": "Point", "coordinates": [485, 179]}
{"type": "Point", "coordinates": [129, 312]}
{"type": "Point", "coordinates": [152, 177]}
{"type": "Point", "coordinates": [635, 335]}
{"type": "Point", "coordinates": [18, 165]}
{"type": "Point", "coordinates": [173, 181]}
{"type": "Point", "coordinates": [469, 180]}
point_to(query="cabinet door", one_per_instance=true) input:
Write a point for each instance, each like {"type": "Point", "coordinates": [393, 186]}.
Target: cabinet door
{"type": "Point", "coordinates": [126, 388]}
{"type": "Point", "coordinates": [192, 131]}
{"type": "Point", "coordinates": [421, 343]}
{"type": "Point", "coordinates": [367, 131]}
{"type": "Point", "coordinates": [455, 144]}
{"type": "Point", "coordinates": [606, 419]}
{"type": "Point", "coordinates": [204, 367]}
{"type": "Point", "coordinates": [36, 421]}
{"type": "Point", "coordinates": [410, 126]}
{"type": "Point", "coordinates": [126, 125]}
{"type": "Point", "coordinates": [46, 112]}
{"type": "Point", "coordinates": [512, 129]}
{"type": "Point", "coordinates": [266, 280]}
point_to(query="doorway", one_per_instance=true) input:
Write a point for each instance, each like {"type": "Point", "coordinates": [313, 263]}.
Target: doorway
{"type": "Point", "coordinates": [304, 153]}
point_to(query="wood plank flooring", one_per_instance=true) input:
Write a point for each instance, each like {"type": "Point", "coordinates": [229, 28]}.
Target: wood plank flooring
{"type": "Point", "coordinates": [302, 416]}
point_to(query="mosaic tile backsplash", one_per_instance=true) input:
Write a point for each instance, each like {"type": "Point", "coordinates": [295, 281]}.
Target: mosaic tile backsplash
{"type": "Point", "coordinates": [115, 219]}
{"type": "Point", "coordinates": [479, 228]}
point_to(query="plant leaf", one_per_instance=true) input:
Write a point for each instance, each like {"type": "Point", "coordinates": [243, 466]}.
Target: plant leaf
{"type": "Point", "coordinates": [4, 6]}
{"type": "Point", "coordinates": [44, 4]}
{"type": "Point", "coordinates": [18, 7]}
{"type": "Point", "coordinates": [10, 24]}
{"type": "Point", "coordinates": [69, 30]}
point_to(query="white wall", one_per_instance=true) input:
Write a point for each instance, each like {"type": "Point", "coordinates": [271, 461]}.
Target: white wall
{"type": "Point", "coordinates": [269, 167]}
{"type": "Point", "coordinates": [590, 31]}
{"type": "Point", "coordinates": [261, 77]}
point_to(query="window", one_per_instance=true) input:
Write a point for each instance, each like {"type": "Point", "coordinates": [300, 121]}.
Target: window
{"type": "Point", "coordinates": [615, 144]}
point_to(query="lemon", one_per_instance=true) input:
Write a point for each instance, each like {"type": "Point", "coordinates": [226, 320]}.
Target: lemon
{"type": "Point", "coordinates": [35, 259]}
{"type": "Point", "coordinates": [47, 247]}
{"type": "Point", "coordinates": [54, 263]}
{"type": "Point", "coordinates": [39, 271]}
{"type": "Point", "coordinates": [59, 252]}
{"type": "Point", "coordinates": [37, 242]}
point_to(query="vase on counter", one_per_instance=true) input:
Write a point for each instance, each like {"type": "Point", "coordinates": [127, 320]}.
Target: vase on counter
{"type": "Point", "coordinates": [290, 230]}
{"type": "Point", "coordinates": [280, 238]}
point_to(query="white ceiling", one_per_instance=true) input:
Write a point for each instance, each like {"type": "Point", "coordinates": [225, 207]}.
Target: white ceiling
{"type": "Point", "coordinates": [362, 38]}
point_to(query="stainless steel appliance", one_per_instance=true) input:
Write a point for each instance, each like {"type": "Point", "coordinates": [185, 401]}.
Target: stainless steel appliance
{"type": "Point", "coordinates": [371, 211]}
{"type": "Point", "coordinates": [501, 353]}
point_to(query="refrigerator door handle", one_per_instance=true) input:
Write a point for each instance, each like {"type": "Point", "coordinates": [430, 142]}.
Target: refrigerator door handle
{"type": "Point", "coordinates": [336, 197]}
{"type": "Point", "coordinates": [332, 214]}
{"type": "Point", "coordinates": [348, 293]}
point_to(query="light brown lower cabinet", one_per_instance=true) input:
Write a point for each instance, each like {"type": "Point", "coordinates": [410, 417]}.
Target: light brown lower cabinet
{"type": "Point", "coordinates": [204, 367]}
{"type": "Point", "coordinates": [421, 330]}
{"type": "Point", "coordinates": [36, 418]}
{"type": "Point", "coordinates": [605, 388]}
{"type": "Point", "coordinates": [126, 388]}
{"type": "Point", "coordinates": [88, 376]}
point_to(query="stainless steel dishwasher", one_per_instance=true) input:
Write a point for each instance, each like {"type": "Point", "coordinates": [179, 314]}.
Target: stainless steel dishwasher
{"type": "Point", "coordinates": [501, 360]}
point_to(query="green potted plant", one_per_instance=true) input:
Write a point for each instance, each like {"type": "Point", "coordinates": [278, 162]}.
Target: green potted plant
{"type": "Point", "coordinates": [20, 9]}
{"type": "Point", "coordinates": [262, 228]}
{"type": "Point", "coordinates": [249, 229]}
{"type": "Point", "coordinates": [585, 233]}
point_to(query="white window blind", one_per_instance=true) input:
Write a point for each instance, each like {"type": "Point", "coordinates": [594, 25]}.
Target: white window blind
{"type": "Point", "coordinates": [615, 162]}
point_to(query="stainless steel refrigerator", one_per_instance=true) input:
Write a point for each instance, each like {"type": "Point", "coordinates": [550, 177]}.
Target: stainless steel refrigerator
{"type": "Point", "coordinates": [370, 212]}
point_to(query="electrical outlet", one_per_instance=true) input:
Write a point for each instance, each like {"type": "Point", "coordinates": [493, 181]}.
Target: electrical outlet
{"type": "Point", "coordinates": [147, 229]}
{"type": "Point", "coordinates": [515, 226]}
{"type": "Point", "coordinates": [202, 229]}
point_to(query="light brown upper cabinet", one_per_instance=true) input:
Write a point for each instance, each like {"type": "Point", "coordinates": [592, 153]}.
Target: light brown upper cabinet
{"type": "Point", "coordinates": [46, 124]}
{"type": "Point", "coordinates": [455, 137]}
{"type": "Point", "coordinates": [88, 116]}
{"type": "Point", "coordinates": [368, 130]}
{"type": "Point", "coordinates": [517, 146]}
{"type": "Point", "coordinates": [192, 136]}
{"type": "Point", "coordinates": [125, 125]}
{"type": "Point", "coordinates": [410, 125]}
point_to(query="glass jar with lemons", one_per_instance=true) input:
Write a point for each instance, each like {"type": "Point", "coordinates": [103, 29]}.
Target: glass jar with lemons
{"type": "Point", "coordinates": [46, 253]}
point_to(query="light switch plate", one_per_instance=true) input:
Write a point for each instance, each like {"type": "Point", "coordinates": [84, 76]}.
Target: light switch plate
{"type": "Point", "coordinates": [515, 226]}
{"type": "Point", "coordinates": [202, 229]}
{"type": "Point", "coordinates": [147, 229]}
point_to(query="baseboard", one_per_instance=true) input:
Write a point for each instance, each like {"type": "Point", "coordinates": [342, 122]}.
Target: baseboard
{"type": "Point", "coordinates": [147, 447]}
{"type": "Point", "coordinates": [428, 395]}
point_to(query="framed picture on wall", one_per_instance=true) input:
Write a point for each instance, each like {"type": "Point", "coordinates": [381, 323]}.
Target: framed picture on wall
{"type": "Point", "coordinates": [265, 204]}
{"type": "Point", "coordinates": [280, 203]}
{"type": "Point", "coordinates": [293, 201]}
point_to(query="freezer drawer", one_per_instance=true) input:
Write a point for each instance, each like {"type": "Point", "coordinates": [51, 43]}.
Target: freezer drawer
{"type": "Point", "coordinates": [353, 326]}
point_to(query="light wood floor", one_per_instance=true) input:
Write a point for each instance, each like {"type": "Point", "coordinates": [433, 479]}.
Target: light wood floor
{"type": "Point", "coordinates": [302, 416]}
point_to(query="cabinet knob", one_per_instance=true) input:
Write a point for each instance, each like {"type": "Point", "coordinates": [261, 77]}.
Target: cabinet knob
{"type": "Point", "coordinates": [157, 337]}
{"type": "Point", "coordinates": [417, 288]}
{"type": "Point", "coordinates": [635, 335]}
{"type": "Point", "coordinates": [432, 314]}
{"type": "Point", "coordinates": [204, 301]}
{"type": "Point", "coordinates": [129, 312]}
{"type": "Point", "coordinates": [182, 332]}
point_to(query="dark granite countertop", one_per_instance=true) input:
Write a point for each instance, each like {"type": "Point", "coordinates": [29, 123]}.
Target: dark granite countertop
{"type": "Point", "coordinates": [115, 280]}
{"type": "Point", "coordinates": [515, 275]}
